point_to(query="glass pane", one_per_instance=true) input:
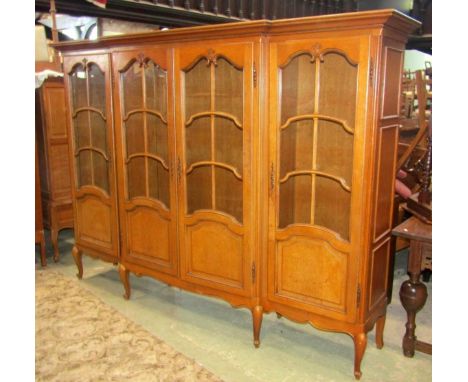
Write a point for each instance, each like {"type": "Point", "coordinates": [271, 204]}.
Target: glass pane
{"type": "Point", "coordinates": [338, 85]}
{"type": "Point", "coordinates": [297, 87]}
{"type": "Point", "coordinates": [198, 141]}
{"type": "Point", "coordinates": [295, 200]}
{"type": "Point", "coordinates": [228, 143]}
{"type": "Point", "coordinates": [132, 88]}
{"type": "Point", "coordinates": [136, 177]}
{"type": "Point", "coordinates": [97, 88]}
{"type": "Point", "coordinates": [335, 150]}
{"type": "Point", "coordinates": [134, 134]}
{"type": "Point", "coordinates": [83, 163]}
{"type": "Point", "coordinates": [156, 88]}
{"type": "Point", "coordinates": [158, 179]}
{"type": "Point", "coordinates": [157, 136]}
{"type": "Point", "coordinates": [78, 88]}
{"type": "Point", "coordinates": [98, 131]}
{"type": "Point", "coordinates": [332, 206]}
{"type": "Point", "coordinates": [81, 125]}
{"type": "Point", "coordinates": [199, 189]}
{"type": "Point", "coordinates": [228, 193]}
{"type": "Point", "coordinates": [296, 147]}
{"type": "Point", "coordinates": [197, 89]}
{"type": "Point", "coordinates": [228, 89]}
{"type": "Point", "coordinates": [101, 177]}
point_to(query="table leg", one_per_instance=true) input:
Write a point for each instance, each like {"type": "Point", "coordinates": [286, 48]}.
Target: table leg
{"type": "Point", "coordinates": [413, 295]}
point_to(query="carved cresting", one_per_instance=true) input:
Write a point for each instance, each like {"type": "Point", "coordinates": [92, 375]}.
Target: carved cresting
{"type": "Point", "coordinates": [141, 60]}
{"type": "Point", "coordinates": [211, 58]}
{"type": "Point", "coordinates": [316, 52]}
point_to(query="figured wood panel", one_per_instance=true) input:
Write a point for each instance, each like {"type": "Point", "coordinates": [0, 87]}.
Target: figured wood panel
{"type": "Point", "coordinates": [94, 221]}
{"type": "Point", "coordinates": [148, 234]}
{"type": "Point", "coordinates": [311, 271]}
{"type": "Point", "coordinates": [218, 259]}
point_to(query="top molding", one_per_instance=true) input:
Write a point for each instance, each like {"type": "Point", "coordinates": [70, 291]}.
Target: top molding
{"type": "Point", "coordinates": [391, 19]}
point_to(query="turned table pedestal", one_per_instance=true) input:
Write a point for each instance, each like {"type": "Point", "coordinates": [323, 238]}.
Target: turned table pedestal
{"type": "Point", "coordinates": [413, 293]}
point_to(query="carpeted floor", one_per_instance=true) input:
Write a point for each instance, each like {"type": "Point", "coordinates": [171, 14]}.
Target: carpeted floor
{"type": "Point", "coordinates": [215, 335]}
{"type": "Point", "coordinates": [80, 338]}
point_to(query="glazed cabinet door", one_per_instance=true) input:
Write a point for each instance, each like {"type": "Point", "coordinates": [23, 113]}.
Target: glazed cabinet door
{"type": "Point", "coordinates": [315, 132]}
{"type": "Point", "coordinates": [215, 88]}
{"type": "Point", "coordinates": [92, 141]}
{"type": "Point", "coordinates": [144, 149]}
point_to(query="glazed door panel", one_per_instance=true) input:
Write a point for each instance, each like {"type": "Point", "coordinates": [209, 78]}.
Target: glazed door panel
{"type": "Point", "coordinates": [314, 118]}
{"type": "Point", "coordinates": [92, 153]}
{"type": "Point", "coordinates": [215, 88]}
{"type": "Point", "coordinates": [145, 148]}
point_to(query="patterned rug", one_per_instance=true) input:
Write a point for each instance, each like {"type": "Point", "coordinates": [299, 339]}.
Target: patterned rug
{"type": "Point", "coordinates": [80, 338]}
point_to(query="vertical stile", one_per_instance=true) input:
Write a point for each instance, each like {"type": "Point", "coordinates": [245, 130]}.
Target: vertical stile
{"type": "Point", "coordinates": [88, 103]}
{"type": "Point", "coordinates": [313, 6]}
{"type": "Point", "coordinates": [145, 125]}
{"type": "Point", "coordinates": [274, 12]}
{"type": "Point", "coordinates": [252, 9]}
{"type": "Point", "coordinates": [213, 138]}
{"type": "Point", "coordinates": [315, 140]}
{"type": "Point", "coordinates": [241, 9]}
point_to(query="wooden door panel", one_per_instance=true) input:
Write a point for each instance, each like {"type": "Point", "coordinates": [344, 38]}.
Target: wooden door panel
{"type": "Point", "coordinates": [217, 260]}
{"type": "Point", "coordinates": [214, 83]}
{"type": "Point", "coordinates": [91, 153]}
{"type": "Point", "coordinates": [311, 272]}
{"type": "Point", "coordinates": [145, 142]}
{"type": "Point", "coordinates": [148, 235]}
{"type": "Point", "coordinates": [94, 221]}
{"type": "Point", "coordinates": [316, 127]}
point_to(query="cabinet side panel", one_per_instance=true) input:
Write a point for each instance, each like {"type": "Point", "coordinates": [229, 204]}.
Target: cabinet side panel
{"type": "Point", "coordinates": [60, 171]}
{"type": "Point", "coordinates": [55, 109]}
{"type": "Point", "coordinates": [387, 145]}
{"type": "Point", "coordinates": [393, 62]}
{"type": "Point", "coordinates": [379, 271]}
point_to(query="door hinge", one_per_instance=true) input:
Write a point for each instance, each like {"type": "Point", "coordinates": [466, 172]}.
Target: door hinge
{"type": "Point", "coordinates": [371, 72]}
{"type": "Point", "coordinates": [254, 75]}
{"type": "Point", "coordinates": [179, 169]}
{"type": "Point", "coordinates": [272, 178]}
{"type": "Point", "coordinates": [358, 299]}
{"type": "Point", "coordinates": [254, 272]}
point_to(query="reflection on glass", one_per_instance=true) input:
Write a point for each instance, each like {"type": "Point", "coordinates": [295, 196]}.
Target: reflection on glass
{"type": "Point", "coordinates": [316, 150]}
{"type": "Point", "coordinates": [88, 98]}
{"type": "Point", "coordinates": [144, 89]}
{"type": "Point", "coordinates": [213, 105]}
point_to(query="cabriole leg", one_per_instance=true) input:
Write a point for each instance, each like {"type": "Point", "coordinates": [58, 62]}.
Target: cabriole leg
{"type": "Point", "coordinates": [257, 315]}
{"type": "Point", "coordinates": [54, 240]}
{"type": "Point", "coordinates": [42, 248]}
{"type": "Point", "coordinates": [124, 277]}
{"type": "Point", "coordinates": [76, 253]}
{"type": "Point", "coordinates": [360, 343]}
{"type": "Point", "coordinates": [379, 329]}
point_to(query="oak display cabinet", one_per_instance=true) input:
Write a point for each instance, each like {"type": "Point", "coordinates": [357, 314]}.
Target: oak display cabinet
{"type": "Point", "coordinates": [254, 162]}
